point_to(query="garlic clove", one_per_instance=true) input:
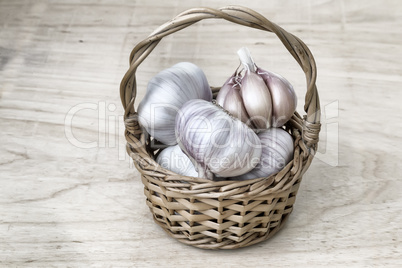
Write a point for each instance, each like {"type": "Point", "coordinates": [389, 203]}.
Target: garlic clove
{"type": "Point", "coordinates": [284, 100]}
{"type": "Point", "coordinates": [257, 100]}
{"type": "Point", "coordinates": [174, 159]}
{"type": "Point", "coordinates": [218, 143]}
{"type": "Point", "coordinates": [227, 86]}
{"type": "Point", "coordinates": [230, 99]}
{"type": "Point", "coordinates": [255, 94]}
{"type": "Point", "coordinates": [277, 152]}
{"type": "Point", "coordinates": [166, 93]}
{"type": "Point", "coordinates": [234, 105]}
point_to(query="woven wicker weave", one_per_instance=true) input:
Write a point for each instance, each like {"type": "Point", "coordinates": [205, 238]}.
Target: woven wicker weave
{"type": "Point", "coordinates": [224, 214]}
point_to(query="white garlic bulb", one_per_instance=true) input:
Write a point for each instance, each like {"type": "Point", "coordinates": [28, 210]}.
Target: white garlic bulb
{"type": "Point", "coordinates": [173, 159]}
{"type": "Point", "coordinates": [218, 143]}
{"type": "Point", "coordinates": [166, 94]}
{"type": "Point", "coordinates": [267, 99]}
{"type": "Point", "coordinates": [277, 151]}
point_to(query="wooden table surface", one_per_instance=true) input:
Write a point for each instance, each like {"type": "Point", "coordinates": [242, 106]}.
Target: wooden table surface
{"type": "Point", "coordinates": [70, 197]}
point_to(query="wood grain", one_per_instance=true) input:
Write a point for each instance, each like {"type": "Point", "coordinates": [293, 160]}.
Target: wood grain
{"type": "Point", "coordinates": [77, 201]}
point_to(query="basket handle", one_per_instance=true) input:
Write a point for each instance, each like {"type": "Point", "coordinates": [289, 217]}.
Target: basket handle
{"type": "Point", "coordinates": [310, 124]}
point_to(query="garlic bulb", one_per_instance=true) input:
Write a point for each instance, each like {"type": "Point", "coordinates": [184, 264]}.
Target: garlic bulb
{"type": "Point", "coordinates": [267, 99]}
{"type": "Point", "coordinates": [281, 97]}
{"type": "Point", "coordinates": [277, 151]}
{"type": "Point", "coordinates": [216, 142]}
{"type": "Point", "coordinates": [173, 158]}
{"type": "Point", "coordinates": [166, 94]}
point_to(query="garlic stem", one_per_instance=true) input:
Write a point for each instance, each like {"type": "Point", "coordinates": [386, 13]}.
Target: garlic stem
{"type": "Point", "coordinates": [246, 59]}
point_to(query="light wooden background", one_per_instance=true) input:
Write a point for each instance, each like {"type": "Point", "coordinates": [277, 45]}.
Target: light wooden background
{"type": "Point", "coordinates": [69, 196]}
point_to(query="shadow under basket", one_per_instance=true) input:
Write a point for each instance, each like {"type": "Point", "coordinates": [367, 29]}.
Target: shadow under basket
{"type": "Point", "coordinates": [222, 214]}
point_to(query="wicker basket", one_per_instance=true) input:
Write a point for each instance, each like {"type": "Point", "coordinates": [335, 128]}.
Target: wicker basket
{"type": "Point", "coordinates": [225, 214]}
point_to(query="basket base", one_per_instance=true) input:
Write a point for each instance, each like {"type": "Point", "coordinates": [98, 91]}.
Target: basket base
{"type": "Point", "coordinates": [210, 243]}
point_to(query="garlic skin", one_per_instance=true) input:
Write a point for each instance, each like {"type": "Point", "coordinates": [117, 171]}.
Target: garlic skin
{"type": "Point", "coordinates": [166, 94]}
{"type": "Point", "coordinates": [255, 94]}
{"type": "Point", "coordinates": [173, 159]}
{"type": "Point", "coordinates": [257, 100]}
{"type": "Point", "coordinates": [227, 86]}
{"type": "Point", "coordinates": [218, 143]}
{"type": "Point", "coordinates": [230, 99]}
{"type": "Point", "coordinates": [284, 100]}
{"type": "Point", "coordinates": [277, 152]}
